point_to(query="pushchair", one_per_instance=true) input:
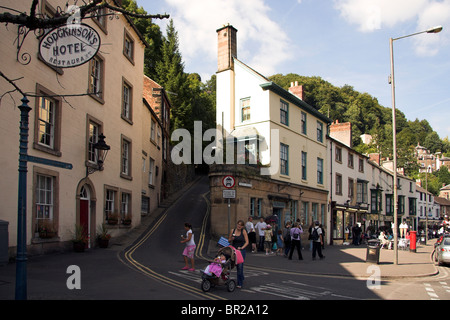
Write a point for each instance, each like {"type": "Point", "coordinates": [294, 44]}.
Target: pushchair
{"type": "Point", "coordinates": [223, 278]}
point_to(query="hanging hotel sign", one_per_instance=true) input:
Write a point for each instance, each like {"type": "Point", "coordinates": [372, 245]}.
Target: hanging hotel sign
{"type": "Point", "coordinates": [70, 45]}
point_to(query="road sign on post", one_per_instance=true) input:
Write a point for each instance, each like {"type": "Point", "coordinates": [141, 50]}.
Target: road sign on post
{"type": "Point", "coordinates": [229, 194]}
{"type": "Point", "coordinates": [228, 182]}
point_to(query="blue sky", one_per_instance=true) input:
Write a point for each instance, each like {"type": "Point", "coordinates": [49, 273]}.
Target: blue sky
{"type": "Point", "coordinates": [342, 41]}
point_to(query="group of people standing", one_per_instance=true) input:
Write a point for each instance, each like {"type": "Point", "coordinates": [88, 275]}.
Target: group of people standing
{"type": "Point", "coordinates": [284, 241]}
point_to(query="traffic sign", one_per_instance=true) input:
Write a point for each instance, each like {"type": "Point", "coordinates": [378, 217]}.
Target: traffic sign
{"type": "Point", "coordinates": [229, 194]}
{"type": "Point", "coordinates": [228, 182]}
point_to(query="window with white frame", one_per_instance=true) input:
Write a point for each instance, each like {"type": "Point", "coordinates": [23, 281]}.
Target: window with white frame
{"type": "Point", "coordinates": [96, 81]}
{"type": "Point", "coordinates": [151, 172]}
{"type": "Point", "coordinates": [245, 109]}
{"type": "Point", "coordinates": [46, 129]}
{"type": "Point", "coordinates": [110, 204]}
{"type": "Point", "coordinates": [44, 197]}
{"type": "Point", "coordinates": [47, 133]}
{"type": "Point", "coordinates": [93, 139]}
{"type": "Point", "coordinates": [153, 130]}
{"type": "Point", "coordinates": [125, 168]}
{"type": "Point", "coordinates": [128, 46]}
{"type": "Point", "coordinates": [125, 203]}
{"type": "Point", "coordinates": [127, 98]}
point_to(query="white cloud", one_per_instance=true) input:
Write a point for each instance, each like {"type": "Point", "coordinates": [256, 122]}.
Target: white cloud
{"type": "Point", "coordinates": [437, 13]}
{"type": "Point", "coordinates": [197, 21]}
{"type": "Point", "coordinates": [371, 15]}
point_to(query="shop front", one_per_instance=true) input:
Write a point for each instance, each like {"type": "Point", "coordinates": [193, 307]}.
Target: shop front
{"type": "Point", "coordinates": [343, 219]}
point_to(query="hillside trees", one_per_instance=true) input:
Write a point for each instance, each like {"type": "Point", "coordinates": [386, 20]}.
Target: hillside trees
{"type": "Point", "coordinates": [367, 116]}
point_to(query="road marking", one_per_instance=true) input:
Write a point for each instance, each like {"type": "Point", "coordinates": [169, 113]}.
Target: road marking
{"type": "Point", "coordinates": [296, 291]}
{"type": "Point", "coordinates": [430, 291]}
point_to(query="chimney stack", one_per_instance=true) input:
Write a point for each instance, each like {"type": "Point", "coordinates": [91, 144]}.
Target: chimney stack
{"type": "Point", "coordinates": [297, 90]}
{"type": "Point", "coordinates": [227, 47]}
{"type": "Point", "coordinates": [342, 132]}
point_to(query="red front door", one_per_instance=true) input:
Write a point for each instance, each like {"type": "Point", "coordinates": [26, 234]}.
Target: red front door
{"type": "Point", "coordinates": [84, 217]}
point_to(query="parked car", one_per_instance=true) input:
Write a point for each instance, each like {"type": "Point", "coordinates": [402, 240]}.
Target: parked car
{"type": "Point", "coordinates": [442, 252]}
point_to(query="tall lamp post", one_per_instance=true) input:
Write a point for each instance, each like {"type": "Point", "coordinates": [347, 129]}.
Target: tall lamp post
{"type": "Point", "coordinates": [394, 129]}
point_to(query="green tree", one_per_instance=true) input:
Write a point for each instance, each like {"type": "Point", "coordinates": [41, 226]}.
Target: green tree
{"type": "Point", "coordinates": [433, 142]}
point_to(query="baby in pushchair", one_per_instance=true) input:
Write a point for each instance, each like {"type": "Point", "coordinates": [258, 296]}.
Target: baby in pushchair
{"type": "Point", "coordinates": [216, 266]}
{"type": "Point", "coordinates": [218, 271]}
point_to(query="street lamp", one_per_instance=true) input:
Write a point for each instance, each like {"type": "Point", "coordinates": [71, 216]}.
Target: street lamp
{"type": "Point", "coordinates": [394, 129]}
{"type": "Point", "coordinates": [101, 150]}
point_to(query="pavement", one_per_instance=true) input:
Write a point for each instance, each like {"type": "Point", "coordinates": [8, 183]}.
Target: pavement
{"type": "Point", "coordinates": [49, 271]}
{"type": "Point", "coordinates": [351, 261]}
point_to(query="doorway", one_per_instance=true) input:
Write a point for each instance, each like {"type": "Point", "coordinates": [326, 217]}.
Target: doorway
{"type": "Point", "coordinates": [85, 216]}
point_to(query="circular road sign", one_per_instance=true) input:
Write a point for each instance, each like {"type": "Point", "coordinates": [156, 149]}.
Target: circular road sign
{"type": "Point", "coordinates": [228, 182]}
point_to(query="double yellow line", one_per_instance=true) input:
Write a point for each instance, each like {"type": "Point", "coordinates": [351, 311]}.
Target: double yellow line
{"type": "Point", "coordinates": [161, 278]}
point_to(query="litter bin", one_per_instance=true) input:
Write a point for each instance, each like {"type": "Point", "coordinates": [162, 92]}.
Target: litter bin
{"type": "Point", "coordinates": [373, 251]}
{"type": "Point", "coordinates": [4, 242]}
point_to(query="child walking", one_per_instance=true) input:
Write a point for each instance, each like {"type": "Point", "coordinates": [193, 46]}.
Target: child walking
{"type": "Point", "coordinates": [268, 239]}
{"type": "Point", "coordinates": [188, 252]}
{"type": "Point", "coordinates": [280, 242]}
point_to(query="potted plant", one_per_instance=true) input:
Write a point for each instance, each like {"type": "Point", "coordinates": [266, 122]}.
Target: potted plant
{"type": "Point", "coordinates": [127, 220]}
{"type": "Point", "coordinates": [103, 236]}
{"type": "Point", "coordinates": [80, 239]}
{"type": "Point", "coordinates": [113, 218]}
{"type": "Point", "coordinates": [46, 230]}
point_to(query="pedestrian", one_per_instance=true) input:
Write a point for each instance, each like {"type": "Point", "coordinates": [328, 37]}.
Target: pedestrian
{"type": "Point", "coordinates": [317, 239]}
{"type": "Point", "coordinates": [261, 226]}
{"type": "Point", "coordinates": [310, 230]}
{"type": "Point", "coordinates": [280, 242]}
{"type": "Point", "coordinates": [251, 233]}
{"type": "Point", "coordinates": [274, 236]}
{"type": "Point", "coordinates": [356, 233]}
{"type": "Point", "coordinates": [287, 238]}
{"type": "Point", "coordinates": [188, 253]}
{"type": "Point", "coordinates": [323, 236]}
{"type": "Point", "coordinates": [239, 240]}
{"type": "Point", "coordinates": [295, 241]}
{"type": "Point", "coordinates": [268, 239]}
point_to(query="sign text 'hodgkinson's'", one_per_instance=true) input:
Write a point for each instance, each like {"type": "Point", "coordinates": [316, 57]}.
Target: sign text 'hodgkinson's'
{"type": "Point", "coordinates": [70, 45]}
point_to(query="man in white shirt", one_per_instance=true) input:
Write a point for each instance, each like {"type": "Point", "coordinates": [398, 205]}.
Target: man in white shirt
{"type": "Point", "coordinates": [261, 226]}
{"type": "Point", "coordinates": [317, 238]}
